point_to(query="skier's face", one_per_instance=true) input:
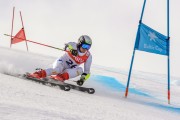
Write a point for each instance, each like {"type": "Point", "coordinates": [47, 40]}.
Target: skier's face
{"type": "Point", "coordinates": [83, 50]}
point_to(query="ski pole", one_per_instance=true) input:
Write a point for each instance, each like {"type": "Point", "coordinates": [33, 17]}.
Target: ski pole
{"type": "Point", "coordinates": [37, 43]}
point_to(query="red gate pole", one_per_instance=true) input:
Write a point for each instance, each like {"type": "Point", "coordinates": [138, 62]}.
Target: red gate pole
{"type": "Point", "coordinates": [12, 26]}
{"type": "Point", "coordinates": [24, 30]}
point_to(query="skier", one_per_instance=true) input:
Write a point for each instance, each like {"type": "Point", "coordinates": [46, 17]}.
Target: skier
{"type": "Point", "coordinates": [68, 65]}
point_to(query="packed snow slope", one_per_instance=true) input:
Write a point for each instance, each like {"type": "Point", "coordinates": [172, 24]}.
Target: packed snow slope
{"type": "Point", "coordinates": [26, 100]}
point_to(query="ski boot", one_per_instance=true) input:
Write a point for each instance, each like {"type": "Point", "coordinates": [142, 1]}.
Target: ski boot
{"type": "Point", "coordinates": [39, 74]}
{"type": "Point", "coordinates": [61, 77]}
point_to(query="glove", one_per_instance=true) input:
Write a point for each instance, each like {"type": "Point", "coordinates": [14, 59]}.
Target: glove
{"type": "Point", "coordinates": [82, 79]}
{"type": "Point", "coordinates": [74, 52]}
{"type": "Point", "coordinates": [80, 82]}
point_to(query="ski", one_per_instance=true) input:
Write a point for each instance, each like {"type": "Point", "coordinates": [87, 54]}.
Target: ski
{"type": "Point", "coordinates": [75, 87]}
{"type": "Point", "coordinates": [82, 89]}
{"type": "Point", "coordinates": [52, 82]}
{"type": "Point", "coordinates": [46, 81]}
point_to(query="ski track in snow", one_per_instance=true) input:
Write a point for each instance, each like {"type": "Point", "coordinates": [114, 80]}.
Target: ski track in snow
{"type": "Point", "coordinates": [26, 100]}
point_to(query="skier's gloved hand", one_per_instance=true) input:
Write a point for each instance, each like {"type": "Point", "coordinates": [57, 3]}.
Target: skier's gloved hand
{"type": "Point", "coordinates": [80, 82]}
{"type": "Point", "coordinates": [70, 47]}
{"type": "Point", "coordinates": [83, 78]}
{"type": "Point", "coordinates": [74, 52]}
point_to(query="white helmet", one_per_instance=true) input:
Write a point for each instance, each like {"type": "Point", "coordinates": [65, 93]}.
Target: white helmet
{"type": "Point", "coordinates": [85, 42]}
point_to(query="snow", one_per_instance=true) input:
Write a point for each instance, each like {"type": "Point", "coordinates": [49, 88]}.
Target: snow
{"type": "Point", "coordinates": [26, 100]}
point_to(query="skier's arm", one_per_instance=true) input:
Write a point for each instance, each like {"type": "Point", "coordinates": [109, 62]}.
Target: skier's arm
{"type": "Point", "coordinates": [71, 47]}
{"type": "Point", "coordinates": [86, 74]}
{"type": "Point", "coordinates": [87, 66]}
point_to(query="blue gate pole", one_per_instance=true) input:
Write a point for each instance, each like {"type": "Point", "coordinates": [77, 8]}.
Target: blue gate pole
{"type": "Point", "coordinates": [132, 60]}
{"type": "Point", "coordinates": [168, 51]}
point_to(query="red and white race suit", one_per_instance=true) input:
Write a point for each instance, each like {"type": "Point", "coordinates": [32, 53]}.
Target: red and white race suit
{"type": "Point", "coordinates": [71, 64]}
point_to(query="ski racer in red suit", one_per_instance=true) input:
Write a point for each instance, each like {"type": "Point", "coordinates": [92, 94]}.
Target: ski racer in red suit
{"type": "Point", "coordinates": [68, 65]}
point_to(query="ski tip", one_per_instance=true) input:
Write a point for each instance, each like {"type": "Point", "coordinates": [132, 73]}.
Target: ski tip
{"type": "Point", "coordinates": [91, 90]}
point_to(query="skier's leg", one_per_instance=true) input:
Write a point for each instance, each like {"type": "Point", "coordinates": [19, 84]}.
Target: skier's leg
{"type": "Point", "coordinates": [57, 68]}
{"type": "Point", "coordinates": [72, 73]}
{"type": "Point", "coordinates": [69, 73]}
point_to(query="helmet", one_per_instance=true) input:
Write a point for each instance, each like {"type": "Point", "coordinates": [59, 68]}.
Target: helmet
{"type": "Point", "coordinates": [85, 42]}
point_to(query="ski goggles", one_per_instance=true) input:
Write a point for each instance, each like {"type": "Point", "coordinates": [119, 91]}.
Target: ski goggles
{"type": "Point", "coordinates": [86, 46]}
